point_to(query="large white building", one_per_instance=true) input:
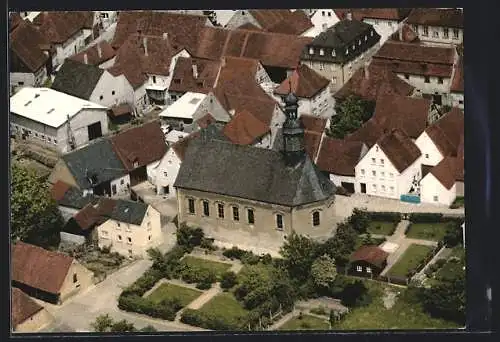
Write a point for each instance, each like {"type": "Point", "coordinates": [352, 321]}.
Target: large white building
{"type": "Point", "coordinates": [61, 121]}
{"type": "Point", "coordinates": [438, 25]}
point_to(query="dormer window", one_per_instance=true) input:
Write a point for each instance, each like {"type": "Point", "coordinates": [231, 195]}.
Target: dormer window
{"type": "Point", "coordinates": [311, 51]}
{"type": "Point", "coordinates": [333, 53]}
{"type": "Point", "coordinates": [353, 46]}
{"type": "Point", "coordinates": [321, 52]}
{"type": "Point", "coordinates": [136, 164]}
{"type": "Point", "coordinates": [346, 51]}
{"type": "Point", "coordinates": [371, 33]}
{"type": "Point", "coordinates": [323, 13]}
{"type": "Point", "coordinates": [366, 38]}
{"type": "Point", "coordinates": [359, 42]}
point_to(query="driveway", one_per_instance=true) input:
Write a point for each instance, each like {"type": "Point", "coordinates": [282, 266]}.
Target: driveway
{"type": "Point", "coordinates": [77, 313]}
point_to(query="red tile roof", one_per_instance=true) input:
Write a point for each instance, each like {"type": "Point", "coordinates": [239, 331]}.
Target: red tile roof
{"type": "Point", "coordinates": [304, 81]}
{"type": "Point", "coordinates": [272, 49]}
{"type": "Point", "coordinates": [417, 59]}
{"type": "Point", "coordinates": [120, 110]}
{"type": "Point", "coordinates": [371, 254]}
{"type": "Point", "coordinates": [23, 307]}
{"type": "Point", "coordinates": [312, 141]}
{"type": "Point", "coordinates": [38, 268]}
{"type": "Point", "coordinates": [406, 113]}
{"type": "Point", "coordinates": [14, 20]}
{"type": "Point", "coordinates": [183, 30]}
{"type": "Point", "coordinates": [379, 81]}
{"type": "Point", "coordinates": [407, 34]}
{"type": "Point", "coordinates": [183, 79]}
{"type": "Point", "coordinates": [374, 13]}
{"type": "Point", "coordinates": [93, 55]}
{"type": "Point", "coordinates": [282, 20]}
{"type": "Point", "coordinates": [250, 27]}
{"type": "Point", "coordinates": [144, 145]}
{"type": "Point", "coordinates": [399, 148]}
{"type": "Point", "coordinates": [368, 133]}
{"type": "Point", "coordinates": [59, 189]}
{"type": "Point", "coordinates": [244, 128]}
{"type": "Point", "coordinates": [59, 26]}
{"type": "Point", "coordinates": [446, 171]}
{"type": "Point", "coordinates": [313, 123]}
{"type": "Point", "coordinates": [90, 215]}
{"type": "Point", "coordinates": [27, 44]}
{"type": "Point", "coordinates": [338, 156]}
{"type": "Point", "coordinates": [206, 120]}
{"type": "Point", "coordinates": [457, 83]}
{"type": "Point", "coordinates": [447, 132]}
{"type": "Point", "coordinates": [444, 17]}
{"type": "Point", "coordinates": [181, 146]}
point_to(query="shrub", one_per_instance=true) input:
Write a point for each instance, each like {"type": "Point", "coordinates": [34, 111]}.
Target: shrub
{"type": "Point", "coordinates": [249, 258]}
{"type": "Point", "coordinates": [319, 311]}
{"type": "Point", "coordinates": [134, 303]}
{"type": "Point", "coordinates": [426, 217]}
{"type": "Point", "coordinates": [266, 259]}
{"type": "Point", "coordinates": [228, 280]}
{"type": "Point", "coordinates": [106, 249]}
{"type": "Point", "coordinates": [189, 237]}
{"type": "Point", "coordinates": [234, 253]}
{"type": "Point", "coordinates": [454, 234]}
{"type": "Point", "coordinates": [209, 321]}
{"type": "Point", "coordinates": [385, 216]}
{"type": "Point", "coordinates": [355, 294]}
{"type": "Point", "coordinates": [208, 244]}
{"type": "Point", "coordinates": [189, 274]}
{"type": "Point", "coordinates": [439, 263]}
{"type": "Point", "coordinates": [205, 279]}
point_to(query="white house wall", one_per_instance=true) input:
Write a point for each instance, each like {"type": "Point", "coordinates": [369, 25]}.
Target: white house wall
{"type": "Point", "coordinates": [339, 179]}
{"type": "Point", "coordinates": [122, 185]}
{"type": "Point", "coordinates": [457, 100]}
{"type": "Point", "coordinates": [113, 90]}
{"type": "Point", "coordinates": [385, 28]}
{"type": "Point", "coordinates": [322, 19]}
{"type": "Point", "coordinates": [141, 99]}
{"type": "Point", "coordinates": [430, 154]}
{"type": "Point", "coordinates": [108, 64]}
{"type": "Point", "coordinates": [241, 17]}
{"type": "Point", "coordinates": [430, 88]}
{"type": "Point", "coordinates": [166, 173]}
{"type": "Point", "coordinates": [432, 191]}
{"type": "Point", "coordinates": [69, 48]}
{"type": "Point", "coordinates": [261, 75]}
{"type": "Point", "coordinates": [211, 105]}
{"type": "Point", "coordinates": [440, 32]}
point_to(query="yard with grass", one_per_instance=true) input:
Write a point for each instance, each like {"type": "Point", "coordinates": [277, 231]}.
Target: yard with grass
{"type": "Point", "coordinates": [411, 258]}
{"type": "Point", "coordinates": [225, 305]}
{"type": "Point", "coordinates": [427, 231]}
{"type": "Point", "coordinates": [381, 228]}
{"type": "Point", "coordinates": [168, 291]}
{"type": "Point", "coordinates": [217, 267]}
{"type": "Point", "coordinates": [405, 314]}
{"type": "Point", "coordinates": [306, 322]}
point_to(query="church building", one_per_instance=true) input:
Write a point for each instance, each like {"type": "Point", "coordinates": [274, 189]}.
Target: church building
{"type": "Point", "coordinates": [242, 193]}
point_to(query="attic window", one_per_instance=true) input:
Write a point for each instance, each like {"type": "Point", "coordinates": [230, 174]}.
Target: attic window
{"type": "Point", "coordinates": [242, 12]}
{"type": "Point", "coordinates": [359, 42]}
{"type": "Point", "coordinates": [177, 81]}
{"type": "Point", "coordinates": [366, 38]}
{"type": "Point", "coordinates": [329, 14]}
{"type": "Point", "coordinates": [136, 164]}
{"type": "Point", "coordinates": [353, 46]}
{"type": "Point", "coordinates": [371, 33]}
{"type": "Point", "coordinates": [333, 53]}
{"type": "Point", "coordinates": [321, 52]}
{"type": "Point", "coordinates": [347, 51]}
{"type": "Point", "coordinates": [311, 51]}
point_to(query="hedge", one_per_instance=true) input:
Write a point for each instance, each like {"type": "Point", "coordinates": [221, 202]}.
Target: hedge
{"type": "Point", "coordinates": [246, 257]}
{"type": "Point", "coordinates": [426, 217]}
{"type": "Point", "coordinates": [134, 303]}
{"type": "Point", "coordinates": [385, 216]}
{"type": "Point", "coordinates": [209, 321]}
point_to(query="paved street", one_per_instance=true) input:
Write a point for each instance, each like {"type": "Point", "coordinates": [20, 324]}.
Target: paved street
{"type": "Point", "coordinates": [79, 312]}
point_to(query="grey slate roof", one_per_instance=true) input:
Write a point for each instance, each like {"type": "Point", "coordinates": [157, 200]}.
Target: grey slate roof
{"type": "Point", "coordinates": [129, 212]}
{"type": "Point", "coordinates": [77, 79]}
{"type": "Point", "coordinates": [98, 159]}
{"type": "Point", "coordinates": [342, 36]}
{"type": "Point", "coordinates": [251, 173]}
{"type": "Point", "coordinates": [73, 198]}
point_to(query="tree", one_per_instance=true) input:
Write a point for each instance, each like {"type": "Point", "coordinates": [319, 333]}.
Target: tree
{"type": "Point", "coordinates": [351, 114]}
{"type": "Point", "coordinates": [102, 323]}
{"type": "Point", "coordinates": [228, 280]}
{"type": "Point", "coordinates": [323, 271]}
{"type": "Point", "coordinates": [189, 237]}
{"type": "Point", "coordinates": [342, 244]}
{"type": "Point", "coordinates": [359, 220]}
{"type": "Point", "coordinates": [35, 217]}
{"type": "Point", "coordinates": [122, 326]}
{"type": "Point", "coordinates": [299, 252]}
{"type": "Point", "coordinates": [354, 294]}
{"type": "Point", "coordinates": [454, 234]}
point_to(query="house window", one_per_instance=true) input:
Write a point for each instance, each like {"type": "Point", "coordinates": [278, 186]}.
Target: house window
{"type": "Point", "coordinates": [368, 270]}
{"type": "Point", "coordinates": [366, 38]}
{"type": "Point", "coordinates": [279, 221]}
{"type": "Point", "coordinates": [149, 237]}
{"type": "Point", "coordinates": [382, 162]}
{"type": "Point", "coordinates": [334, 80]}
{"type": "Point", "coordinates": [407, 76]}
{"type": "Point", "coordinates": [55, 141]}
{"type": "Point", "coordinates": [206, 209]}
{"type": "Point", "coordinates": [363, 172]}
{"type": "Point", "coordinates": [324, 26]}
{"type": "Point", "coordinates": [129, 240]}
{"type": "Point", "coordinates": [191, 205]}
{"type": "Point", "coordinates": [392, 189]}
{"type": "Point", "coordinates": [113, 92]}
{"type": "Point", "coordinates": [440, 80]}
{"type": "Point", "coordinates": [333, 53]}
{"type": "Point", "coordinates": [374, 173]}
{"type": "Point", "coordinates": [391, 174]}
{"type": "Point", "coordinates": [121, 182]}
{"type": "Point", "coordinates": [415, 28]}
{"type": "Point", "coordinates": [445, 33]}
{"type": "Point", "coordinates": [149, 225]}
{"type": "Point", "coordinates": [346, 51]}
{"type": "Point", "coordinates": [371, 33]}
{"type": "Point", "coordinates": [20, 83]}
{"type": "Point", "coordinates": [101, 97]}
{"type": "Point", "coordinates": [382, 174]}
{"type": "Point", "coordinates": [374, 186]}
{"type": "Point", "coordinates": [113, 189]}
{"type": "Point", "coordinates": [118, 224]}
{"type": "Point", "coordinates": [383, 188]}
{"type": "Point", "coordinates": [220, 209]}
{"type": "Point", "coordinates": [359, 268]}
{"type": "Point", "coordinates": [251, 218]}
{"type": "Point", "coordinates": [165, 174]}
{"type": "Point", "coordinates": [311, 51]}
{"type": "Point", "coordinates": [119, 238]}
{"type": "Point", "coordinates": [436, 198]}
{"type": "Point", "coordinates": [426, 31]}
{"type": "Point", "coordinates": [321, 52]}
{"type": "Point", "coordinates": [455, 33]}
{"type": "Point", "coordinates": [154, 79]}
{"type": "Point", "coordinates": [323, 13]}
{"type": "Point", "coordinates": [316, 218]}
{"type": "Point", "coordinates": [75, 278]}
{"type": "Point", "coordinates": [427, 79]}
{"type": "Point", "coordinates": [373, 160]}
{"type": "Point", "coordinates": [236, 214]}
{"type": "Point", "coordinates": [435, 34]}
{"type": "Point", "coordinates": [359, 42]}
{"type": "Point", "coordinates": [321, 66]}
{"type": "Point", "coordinates": [329, 14]}
{"type": "Point", "coordinates": [461, 102]}
{"type": "Point", "coordinates": [427, 155]}
{"type": "Point", "coordinates": [353, 46]}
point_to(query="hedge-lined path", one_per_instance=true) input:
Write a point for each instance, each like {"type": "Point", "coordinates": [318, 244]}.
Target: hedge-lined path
{"type": "Point", "coordinates": [78, 312]}
{"type": "Point", "coordinates": [444, 253]}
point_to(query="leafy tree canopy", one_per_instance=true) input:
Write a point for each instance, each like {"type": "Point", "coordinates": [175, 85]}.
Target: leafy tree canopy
{"type": "Point", "coordinates": [299, 253]}
{"type": "Point", "coordinates": [351, 114]}
{"type": "Point", "coordinates": [323, 271]}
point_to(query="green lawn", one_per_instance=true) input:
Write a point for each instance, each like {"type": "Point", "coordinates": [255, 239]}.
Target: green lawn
{"type": "Point", "coordinates": [170, 291]}
{"type": "Point", "coordinates": [217, 267]}
{"type": "Point", "coordinates": [374, 241]}
{"type": "Point", "coordinates": [381, 228]}
{"type": "Point", "coordinates": [225, 305]}
{"type": "Point", "coordinates": [449, 270]}
{"type": "Point", "coordinates": [427, 231]}
{"type": "Point", "coordinates": [405, 314]}
{"type": "Point", "coordinates": [306, 323]}
{"type": "Point", "coordinates": [413, 256]}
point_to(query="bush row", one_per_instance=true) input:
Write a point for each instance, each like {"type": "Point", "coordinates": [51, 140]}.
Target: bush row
{"type": "Point", "coordinates": [164, 310]}
{"type": "Point", "coordinates": [385, 216]}
{"type": "Point", "coordinates": [210, 321]}
{"type": "Point", "coordinates": [247, 257]}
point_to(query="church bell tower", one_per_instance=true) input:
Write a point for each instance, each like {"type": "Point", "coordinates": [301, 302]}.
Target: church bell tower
{"type": "Point", "coordinates": [293, 132]}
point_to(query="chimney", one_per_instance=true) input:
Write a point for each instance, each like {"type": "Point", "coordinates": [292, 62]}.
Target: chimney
{"type": "Point", "coordinates": [165, 35]}
{"type": "Point", "coordinates": [99, 50]}
{"type": "Point", "coordinates": [400, 32]}
{"type": "Point", "coordinates": [223, 62]}
{"type": "Point", "coordinates": [85, 58]}
{"type": "Point", "coordinates": [367, 72]}
{"type": "Point", "coordinates": [195, 71]}
{"type": "Point", "coordinates": [145, 45]}
{"type": "Point", "coordinates": [349, 15]}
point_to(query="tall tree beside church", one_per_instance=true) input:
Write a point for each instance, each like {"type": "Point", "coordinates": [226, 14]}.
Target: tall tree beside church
{"type": "Point", "coordinates": [34, 215]}
{"type": "Point", "coordinates": [351, 114]}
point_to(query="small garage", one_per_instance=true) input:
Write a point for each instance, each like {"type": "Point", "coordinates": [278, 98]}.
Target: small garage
{"type": "Point", "coordinates": [348, 186]}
